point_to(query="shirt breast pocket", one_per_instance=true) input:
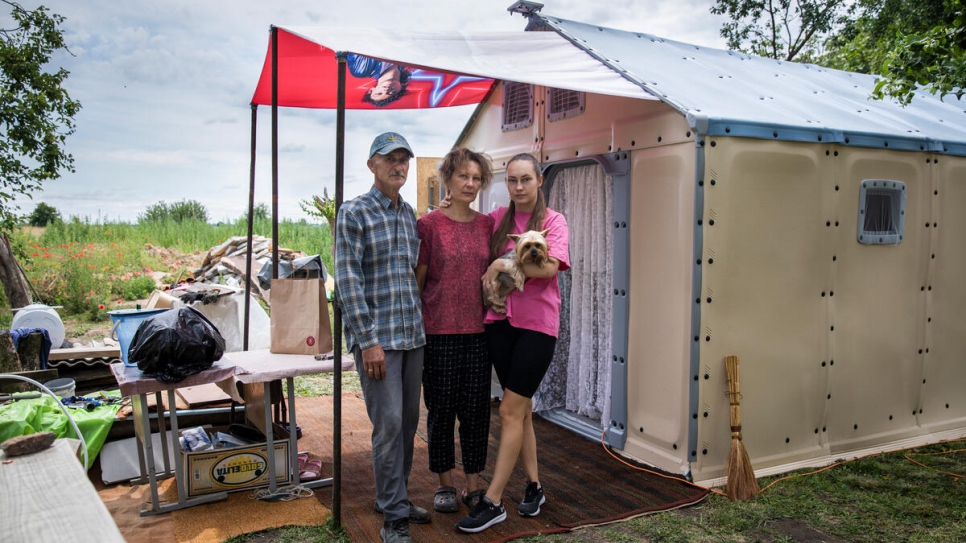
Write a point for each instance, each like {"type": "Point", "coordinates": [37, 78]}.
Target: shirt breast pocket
{"type": "Point", "coordinates": [412, 252]}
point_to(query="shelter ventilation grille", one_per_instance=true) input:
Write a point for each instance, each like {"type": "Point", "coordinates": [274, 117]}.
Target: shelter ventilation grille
{"type": "Point", "coordinates": [517, 105]}
{"type": "Point", "coordinates": [564, 104]}
{"type": "Point", "coordinates": [882, 212]}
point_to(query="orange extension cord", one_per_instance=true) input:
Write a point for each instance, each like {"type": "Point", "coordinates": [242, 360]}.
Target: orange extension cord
{"type": "Point", "coordinates": [773, 483]}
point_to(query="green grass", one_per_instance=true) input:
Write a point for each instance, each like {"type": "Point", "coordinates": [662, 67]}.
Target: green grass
{"type": "Point", "coordinates": [326, 533]}
{"type": "Point", "coordinates": [91, 267]}
{"type": "Point", "coordinates": [323, 385]}
{"type": "Point", "coordinates": [881, 498]}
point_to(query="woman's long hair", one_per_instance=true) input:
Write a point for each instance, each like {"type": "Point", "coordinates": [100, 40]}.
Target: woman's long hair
{"type": "Point", "coordinates": [499, 239]}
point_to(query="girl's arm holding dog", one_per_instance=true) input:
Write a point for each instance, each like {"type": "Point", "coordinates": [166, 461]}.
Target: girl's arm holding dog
{"type": "Point", "coordinates": [546, 271]}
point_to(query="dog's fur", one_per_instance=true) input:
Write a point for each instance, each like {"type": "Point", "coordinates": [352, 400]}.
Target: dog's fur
{"type": "Point", "coordinates": [531, 247]}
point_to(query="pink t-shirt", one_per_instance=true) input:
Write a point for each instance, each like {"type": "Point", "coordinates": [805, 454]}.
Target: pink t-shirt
{"type": "Point", "coordinates": [456, 255]}
{"type": "Point", "coordinates": [538, 306]}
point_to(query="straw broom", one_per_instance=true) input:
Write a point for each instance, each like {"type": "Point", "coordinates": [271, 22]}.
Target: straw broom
{"type": "Point", "coordinates": [741, 475]}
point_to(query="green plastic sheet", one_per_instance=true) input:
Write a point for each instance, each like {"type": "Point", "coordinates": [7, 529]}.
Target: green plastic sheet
{"type": "Point", "coordinates": [23, 417]}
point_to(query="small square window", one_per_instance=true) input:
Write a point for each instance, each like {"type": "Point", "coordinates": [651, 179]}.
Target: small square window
{"type": "Point", "coordinates": [517, 105]}
{"type": "Point", "coordinates": [882, 212]}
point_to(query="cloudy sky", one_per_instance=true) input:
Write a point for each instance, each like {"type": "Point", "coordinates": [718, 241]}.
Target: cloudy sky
{"type": "Point", "coordinates": [165, 87]}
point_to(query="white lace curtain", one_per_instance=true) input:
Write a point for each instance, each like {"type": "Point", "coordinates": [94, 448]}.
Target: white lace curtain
{"type": "Point", "coordinates": [579, 376]}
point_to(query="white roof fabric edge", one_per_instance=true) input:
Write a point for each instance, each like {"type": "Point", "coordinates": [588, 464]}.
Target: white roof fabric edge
{"type": "Point", "coordinates": [537, 58]}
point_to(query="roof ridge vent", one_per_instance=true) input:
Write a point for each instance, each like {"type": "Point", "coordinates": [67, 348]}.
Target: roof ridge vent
{"type": "Point", "coordinates": [527, 9]}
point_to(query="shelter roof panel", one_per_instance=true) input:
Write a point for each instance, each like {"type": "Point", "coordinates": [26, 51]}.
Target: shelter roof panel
{"type": "Point", "coordinates": [716, 88]}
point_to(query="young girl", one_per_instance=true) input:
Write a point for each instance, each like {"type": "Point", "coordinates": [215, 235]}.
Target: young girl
{"type": "Point", "coordinates": [521, 343]}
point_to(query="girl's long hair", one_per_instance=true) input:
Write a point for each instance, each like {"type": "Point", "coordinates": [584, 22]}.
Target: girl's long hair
{"type": "Point", "coordinates": [499, 239]}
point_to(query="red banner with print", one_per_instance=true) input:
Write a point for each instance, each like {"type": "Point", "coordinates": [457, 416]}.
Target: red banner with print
{"type": "Point", "coordinates": [307, 77]}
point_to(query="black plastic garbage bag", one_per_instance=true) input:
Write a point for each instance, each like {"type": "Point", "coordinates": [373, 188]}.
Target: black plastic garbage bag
{"type": "Point", "coordinates": [307, 267]}
{"type": "Point", "coordinates": [175, 344]}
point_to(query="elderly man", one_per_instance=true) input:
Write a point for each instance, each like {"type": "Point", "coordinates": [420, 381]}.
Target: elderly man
{"type": "Point", "coordinates": [376, 247]}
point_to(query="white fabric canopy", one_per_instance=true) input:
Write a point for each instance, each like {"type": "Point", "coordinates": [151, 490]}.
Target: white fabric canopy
{"type": "Point", "coordinates": [538, 58]}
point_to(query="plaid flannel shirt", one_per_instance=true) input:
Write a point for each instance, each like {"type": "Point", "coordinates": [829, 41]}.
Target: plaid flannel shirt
{"type": "Point", "coordinates": [376, 248]}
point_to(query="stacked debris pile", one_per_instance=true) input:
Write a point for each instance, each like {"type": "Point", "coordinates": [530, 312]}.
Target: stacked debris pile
{"type": "Point", "coordinates": [225, 264]}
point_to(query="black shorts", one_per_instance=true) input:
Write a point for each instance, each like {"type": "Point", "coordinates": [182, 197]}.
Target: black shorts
{"type": "Point", "coordinates": [520, 357]}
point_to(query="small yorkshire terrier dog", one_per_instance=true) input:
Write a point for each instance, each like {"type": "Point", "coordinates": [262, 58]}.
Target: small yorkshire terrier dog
{"type": "Point", "coordinates": [531, 247]}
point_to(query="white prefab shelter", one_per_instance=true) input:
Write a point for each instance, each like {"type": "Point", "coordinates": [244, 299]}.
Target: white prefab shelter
{"type": "Point", "coordinates": [725, 204]}
{"type": "Point", "coordinates": [759, 208]}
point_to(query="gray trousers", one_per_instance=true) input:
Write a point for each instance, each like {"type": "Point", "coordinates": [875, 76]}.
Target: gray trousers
{"type": "Point", "coordinates": [393, 407]}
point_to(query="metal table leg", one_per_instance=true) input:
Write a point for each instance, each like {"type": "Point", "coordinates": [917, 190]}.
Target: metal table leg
{"type": "Point", "coordinates": [142, 429]}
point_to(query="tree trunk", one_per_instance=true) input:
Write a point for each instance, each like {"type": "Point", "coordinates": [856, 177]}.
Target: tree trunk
{"type": "Point", "coordinates": [14, 284]}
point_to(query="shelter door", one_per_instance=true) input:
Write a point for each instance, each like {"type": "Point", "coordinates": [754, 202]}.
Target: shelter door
{"type": "Point", "coordinates": [579, 378]}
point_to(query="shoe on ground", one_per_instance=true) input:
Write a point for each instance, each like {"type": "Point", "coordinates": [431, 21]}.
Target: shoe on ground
{"type": "Point", "coordinates": [417, 515]}
{"type": "Point", "coordinates": [484, 515]}
{"type": "Point", "coordinates": [473, 498]}
{"type": "Point", "coordinates": [445, 500]}
{"type": "Point", "coordinates": [396, 531]}
{"type": "Point", "coordinates": [533, 498]}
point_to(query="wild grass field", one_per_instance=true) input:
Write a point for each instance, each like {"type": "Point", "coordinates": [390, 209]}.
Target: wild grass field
{"type": "Point", "coordinates": [90, 267]}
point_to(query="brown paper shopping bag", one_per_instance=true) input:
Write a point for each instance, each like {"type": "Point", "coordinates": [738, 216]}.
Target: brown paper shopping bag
{"type": "Point", "coordinates": [300, 317]}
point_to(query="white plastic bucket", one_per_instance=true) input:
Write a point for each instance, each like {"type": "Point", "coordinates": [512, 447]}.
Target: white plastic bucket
{"type": "Point", "coordinates": [126, 322]}
{"type": "Point", "coordinates": [63, 387]}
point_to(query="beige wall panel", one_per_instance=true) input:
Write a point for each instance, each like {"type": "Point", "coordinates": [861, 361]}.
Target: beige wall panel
{"type": "Point", "coordinates": [944, 392]}
{"type": "Point", "coordinates": [611, 123]}
{"type": "Point", "coordinates": [879, 307]}
{"type": "Point", "coordinates": [662, 208]}
{"type": "Point", "coordinates": [765, 266]}
{"type": "Point", "coordinates": [486, 134]}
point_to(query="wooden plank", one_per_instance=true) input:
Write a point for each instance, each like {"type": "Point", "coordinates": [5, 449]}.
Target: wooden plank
{"type": "Point", "coordinates": [47, 497]}
{"type": "Point", "coordinates": [203, 395]}
{"type": "Point", "coordinates": [85, 352]}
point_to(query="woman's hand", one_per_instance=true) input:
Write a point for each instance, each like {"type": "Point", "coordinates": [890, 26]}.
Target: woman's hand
{"type": "Point", "coordinates": [489, 277]}
{"type": "Point", "coordinates": [445, 202]}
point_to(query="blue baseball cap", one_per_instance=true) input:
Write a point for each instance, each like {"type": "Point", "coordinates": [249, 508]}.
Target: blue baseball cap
{"type": "Point", "coordinates": [389, 142]}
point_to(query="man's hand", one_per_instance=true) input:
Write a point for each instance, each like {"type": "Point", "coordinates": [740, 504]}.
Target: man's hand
{"type": "Point", "coordinates": [374, 362]}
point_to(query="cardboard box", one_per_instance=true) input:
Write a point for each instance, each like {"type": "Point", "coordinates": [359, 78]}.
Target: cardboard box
{"type": "Point", "coordinates": [235, 468]}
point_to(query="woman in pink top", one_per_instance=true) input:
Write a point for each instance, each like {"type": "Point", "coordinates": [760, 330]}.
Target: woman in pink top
{"type": "Point", "coordinates": [521, 343]}
{"type": "Point", "coordinates": [453, 255]}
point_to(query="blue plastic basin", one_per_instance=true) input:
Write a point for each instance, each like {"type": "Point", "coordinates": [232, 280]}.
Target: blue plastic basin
{"type": "Point", "coordinates": [126, 322]}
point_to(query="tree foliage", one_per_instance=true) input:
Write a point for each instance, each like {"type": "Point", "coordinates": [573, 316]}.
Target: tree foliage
{"type": "Point", "coordinates": [179, 212]}
{"type": "Point", "coordinates": [779, 29]}
{"type": "Point", "coordinates": [909, 44]}
{"type": "Point", "coordinates": [922, 46]}
{"type": "Point", "coordinates": [36, 112]}
{"type": "Point", "coordinates": [260, 212]}
{"type": "Point", "coordinates": [320, 208]}
{"type": "Point", "coordinates": [43, 214]}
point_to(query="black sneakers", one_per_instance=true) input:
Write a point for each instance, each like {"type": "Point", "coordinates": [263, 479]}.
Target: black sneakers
{"type": "Point", "coordinates": [533, 498]}
{"type": "Point", "coordinates": [396, 532]}
{"type": "Point", "coordinates": [484, 515]}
